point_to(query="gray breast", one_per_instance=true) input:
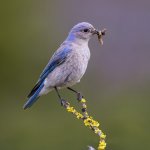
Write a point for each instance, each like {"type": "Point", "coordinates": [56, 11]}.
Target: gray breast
{"type": "Point", "coordinates": [77, 64]}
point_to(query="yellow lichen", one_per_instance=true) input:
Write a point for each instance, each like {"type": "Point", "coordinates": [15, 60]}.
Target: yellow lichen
{"type": "Point", "coordinates": [89, 122]}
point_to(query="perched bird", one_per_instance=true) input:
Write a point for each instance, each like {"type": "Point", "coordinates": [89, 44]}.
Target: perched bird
{"type": "Point", "coordinates": [67, 65]}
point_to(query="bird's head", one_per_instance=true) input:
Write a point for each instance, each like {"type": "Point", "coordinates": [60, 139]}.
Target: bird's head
{"type": "Point", "coordinates": [83, 31]}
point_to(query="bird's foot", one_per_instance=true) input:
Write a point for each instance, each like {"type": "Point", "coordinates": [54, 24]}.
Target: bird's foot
{"type": "Point", "coordinates": [64, 103]}
{"type": "Point", "coordinates": [79, 96]}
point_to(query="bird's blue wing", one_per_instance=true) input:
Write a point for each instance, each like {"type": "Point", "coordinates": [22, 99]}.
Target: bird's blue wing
{"type": "Point", "coordinates": [58, 58]}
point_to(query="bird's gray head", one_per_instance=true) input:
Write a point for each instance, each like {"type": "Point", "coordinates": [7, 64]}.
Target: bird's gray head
{"type": "Point", "coordinates": [82, 31]}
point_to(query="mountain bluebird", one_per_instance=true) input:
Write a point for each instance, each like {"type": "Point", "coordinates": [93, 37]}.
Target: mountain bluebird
{"type": "Point", "coordinates": [67, 65]}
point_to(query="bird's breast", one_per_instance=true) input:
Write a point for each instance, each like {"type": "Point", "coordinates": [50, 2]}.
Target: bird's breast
{"type": "Point", "coordinates": [78, 62]}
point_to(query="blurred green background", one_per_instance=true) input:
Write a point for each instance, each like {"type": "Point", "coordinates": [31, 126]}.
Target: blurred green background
{"type": "Point", "coordinates": [116, 84]}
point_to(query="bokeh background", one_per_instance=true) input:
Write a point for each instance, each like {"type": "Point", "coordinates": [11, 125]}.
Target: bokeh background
{"type": "Point", "coordinates": [116, 84]}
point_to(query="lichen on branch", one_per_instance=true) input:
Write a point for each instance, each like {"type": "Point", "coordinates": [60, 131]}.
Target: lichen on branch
{"type": "Point", "coordinates": [88, 121]}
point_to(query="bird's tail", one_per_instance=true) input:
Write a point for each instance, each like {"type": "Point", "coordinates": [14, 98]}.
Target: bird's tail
{"type": "Point", "coordinates": [33, 98]}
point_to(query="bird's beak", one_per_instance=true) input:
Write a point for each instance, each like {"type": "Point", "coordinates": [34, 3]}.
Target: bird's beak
{"type": "Point", "coordinates": [95, 32]}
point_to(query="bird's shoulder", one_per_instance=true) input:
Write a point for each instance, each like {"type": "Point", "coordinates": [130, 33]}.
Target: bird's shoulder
{"type": "Point", "coordinates": [63, 50]}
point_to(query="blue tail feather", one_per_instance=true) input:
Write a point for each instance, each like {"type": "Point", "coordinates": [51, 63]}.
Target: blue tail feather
{"type": "Point", "coordinates": [33, 98]}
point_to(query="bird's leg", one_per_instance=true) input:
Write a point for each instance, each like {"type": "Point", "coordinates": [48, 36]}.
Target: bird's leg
{"type": "Point", "coordinates": [79, 95]}
{"type": "Point", "coordinates": [62, 101]}
{"type": "Point", "coordinates": [81, 99]}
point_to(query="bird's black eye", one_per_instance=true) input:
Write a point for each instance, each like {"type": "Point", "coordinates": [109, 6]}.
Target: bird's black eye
{"type": "Point", "coordinates": [86, 30]}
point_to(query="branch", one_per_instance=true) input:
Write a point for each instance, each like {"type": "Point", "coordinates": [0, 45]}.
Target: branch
{"type": "Point", "coordinates": [88, 121]}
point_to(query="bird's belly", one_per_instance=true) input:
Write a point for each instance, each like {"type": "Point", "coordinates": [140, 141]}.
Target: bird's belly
{"type": "Point", "coordinates": [77, 69]}
{"type": "Point", "coordinates": [66, 74]}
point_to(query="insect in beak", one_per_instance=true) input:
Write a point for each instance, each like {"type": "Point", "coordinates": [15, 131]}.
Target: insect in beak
{"type": "Point", "coordinates": [100, 34]}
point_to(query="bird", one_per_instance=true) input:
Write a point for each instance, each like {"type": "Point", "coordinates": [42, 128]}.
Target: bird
{"type": "Point", "coordinates": [67, 65]}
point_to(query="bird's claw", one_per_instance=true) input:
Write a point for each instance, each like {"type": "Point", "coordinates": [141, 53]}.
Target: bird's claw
{"type": "Point", "coordinates": [64, 103]}
{"type": "Point", "coordinates": [79, 96]}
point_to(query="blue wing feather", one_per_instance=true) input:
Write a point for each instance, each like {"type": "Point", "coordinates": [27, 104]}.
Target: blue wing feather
{"type": "Point", "coordinates": [33, 98]}
{"type": "Point", "coordinates": [58, 58]}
